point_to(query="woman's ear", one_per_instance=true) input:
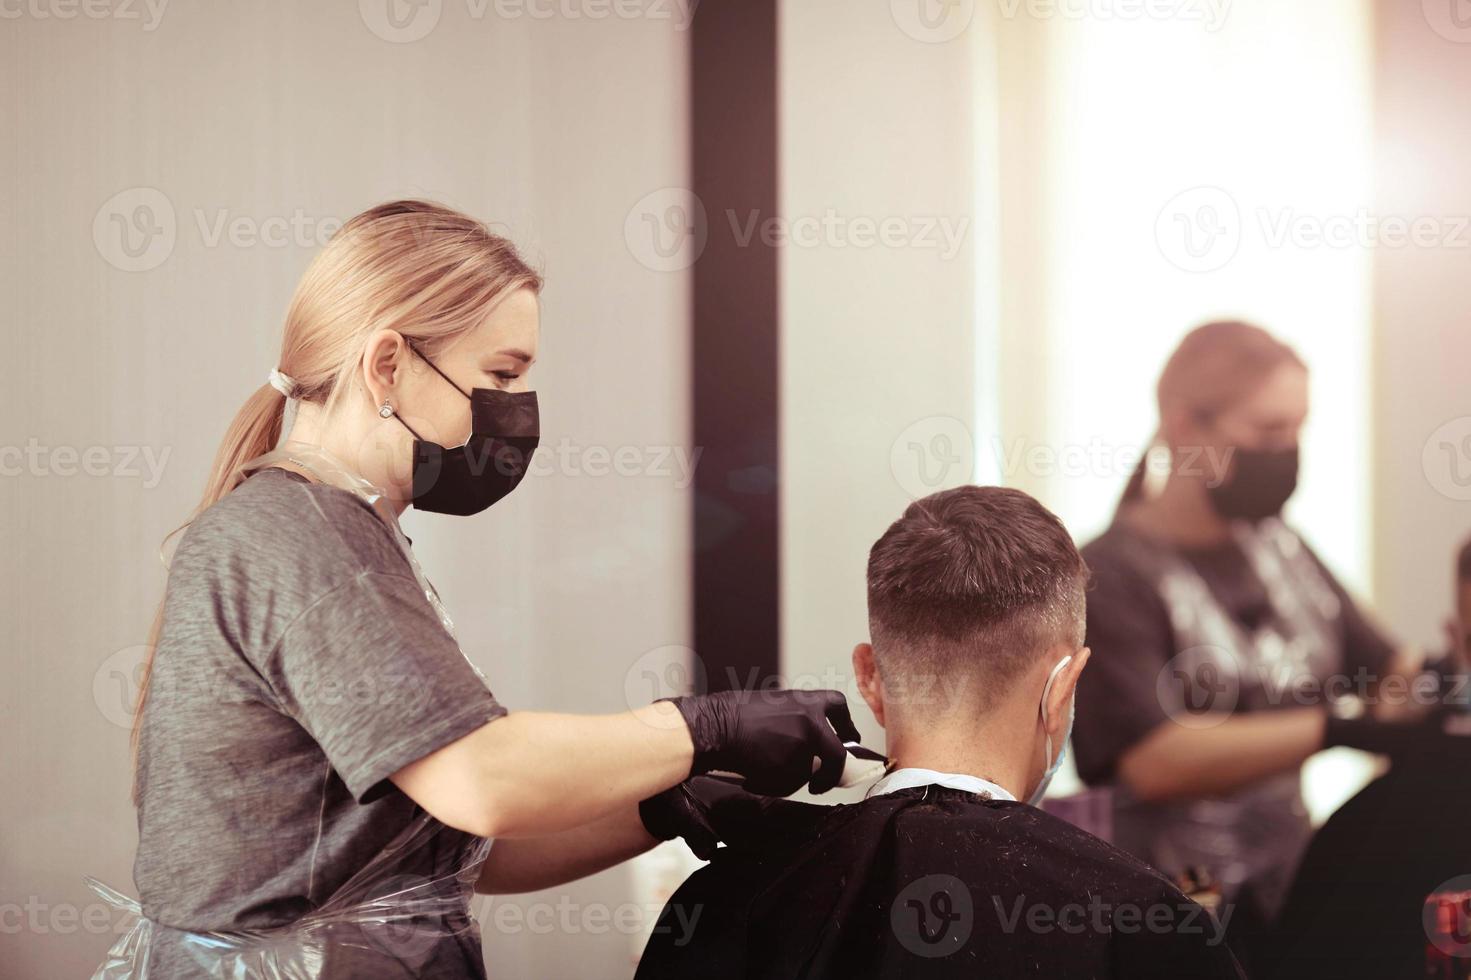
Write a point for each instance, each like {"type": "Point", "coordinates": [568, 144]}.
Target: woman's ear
{"type": "Point", "coordinates": [382, 362]}
{"type": "Point", "coordinates": [870, 685]}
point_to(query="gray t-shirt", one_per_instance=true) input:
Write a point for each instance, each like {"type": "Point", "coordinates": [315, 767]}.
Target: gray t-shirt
{"type": "Point", "coordinates": [299, 665]}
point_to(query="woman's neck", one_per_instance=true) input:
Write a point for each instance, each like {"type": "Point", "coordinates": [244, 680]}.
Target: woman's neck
{"type": "Point", "coordinates": [308, 429]}
{"type": "Point", "coordinates": [1182, 514]}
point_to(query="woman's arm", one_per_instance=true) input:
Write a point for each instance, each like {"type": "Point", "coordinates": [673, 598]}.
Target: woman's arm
{"type": "Point", "coordinates": [1178, 762]}
{"type": "Point", "coordinates": [529, 774]}
{"type": "Point", "coordinates": [1392, 671]}
{"type": "Point", "coordinates": [534, 774]}
{"type": "Point", "coordinates": [528, 864]}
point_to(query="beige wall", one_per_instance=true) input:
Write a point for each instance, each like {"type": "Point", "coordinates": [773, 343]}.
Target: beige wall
{"type": "Point", "coordinates": [878, 339]}
{"type": "Point", "coordinates": [1423, 309]}
{"type": "Point", "coordinates": [277, 110]}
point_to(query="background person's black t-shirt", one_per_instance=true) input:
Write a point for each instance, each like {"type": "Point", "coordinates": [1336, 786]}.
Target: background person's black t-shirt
{"type": "Point", "coordinates": [1132, 639]}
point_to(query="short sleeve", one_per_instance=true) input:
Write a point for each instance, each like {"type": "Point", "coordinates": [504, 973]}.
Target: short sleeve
{"type": "Point", "coordinates": [371, 673]}
{"type": "Point", "coordinates": [1131, 641]}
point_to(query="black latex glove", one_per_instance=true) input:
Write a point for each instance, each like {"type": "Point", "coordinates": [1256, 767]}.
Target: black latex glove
{"type": "Point", "coordinates": [1439, 734]}
{"type": "Point", "coordinates": [770, 737]}
{"type": "Point", "coordinates": [688, 811]}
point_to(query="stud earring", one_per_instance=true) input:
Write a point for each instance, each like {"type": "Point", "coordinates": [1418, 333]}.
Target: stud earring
{"type": "Point", "coordinates": [386, 411]}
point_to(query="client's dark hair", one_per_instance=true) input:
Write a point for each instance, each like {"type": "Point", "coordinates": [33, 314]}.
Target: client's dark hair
{"type": "Point", "coordinates": [975, 581]}
{"type": "Point", "coordinates": [1463, 564]}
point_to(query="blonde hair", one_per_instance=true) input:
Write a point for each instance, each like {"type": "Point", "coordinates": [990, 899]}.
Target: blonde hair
{"type": "Point", "coordinates": [1216, 366]}
{"type": "Point", "coordinates": [424, 270]}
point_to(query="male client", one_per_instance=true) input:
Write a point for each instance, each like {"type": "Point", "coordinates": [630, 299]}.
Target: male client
{"type": "Point", "coordinates": [976, 614]}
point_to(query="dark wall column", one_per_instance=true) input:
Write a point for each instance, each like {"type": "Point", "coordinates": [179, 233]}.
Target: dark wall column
{"type": "Point", "coordinates": [733, 126]}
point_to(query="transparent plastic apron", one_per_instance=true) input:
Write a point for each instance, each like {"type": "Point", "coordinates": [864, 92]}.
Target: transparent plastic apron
{"type": "Point", "coordinates": [383, 922]}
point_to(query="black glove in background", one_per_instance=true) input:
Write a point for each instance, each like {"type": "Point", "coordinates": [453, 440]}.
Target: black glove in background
{"type": "Point", "coordinates": [770, 737]}
{"type": "Point", "coordinates": [1442, 735]}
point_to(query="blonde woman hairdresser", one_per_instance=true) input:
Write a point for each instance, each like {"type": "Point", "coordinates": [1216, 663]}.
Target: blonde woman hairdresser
{"type": "Point", "coordinates": [1221, 642]}
{"type": "Point", "coordinates": [319, 768]}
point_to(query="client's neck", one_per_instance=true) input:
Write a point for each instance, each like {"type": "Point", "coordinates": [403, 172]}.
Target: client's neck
{"type": "Point", "coordinates": [997, 746]}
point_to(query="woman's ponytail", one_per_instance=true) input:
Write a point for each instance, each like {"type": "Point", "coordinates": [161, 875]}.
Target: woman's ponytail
{"type": "Point", "coordinates": [1134, 489]}
{"type": "Point", "coordinates": [255, 429]}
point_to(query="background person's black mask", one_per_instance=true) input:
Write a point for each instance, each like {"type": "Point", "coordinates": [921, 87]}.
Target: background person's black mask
{"type": "Point", "coordinates": [505, 429]}
{"type": "Point", "coordinates": [1258, 485]}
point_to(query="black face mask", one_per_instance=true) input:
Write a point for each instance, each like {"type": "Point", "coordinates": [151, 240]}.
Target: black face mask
{"type": "Point", "coordinates": [1259, 485]}
{"type": "Point", "coordinates": [505, 429]}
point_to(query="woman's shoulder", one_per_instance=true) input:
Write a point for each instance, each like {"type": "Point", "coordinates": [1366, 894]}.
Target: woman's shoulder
{"type": "Point", "coordinates": [279, 516]}
{"type": "Point", "coordinates": [1126, 565]}
{"type": "Point", "coordinates": [1119, 550]}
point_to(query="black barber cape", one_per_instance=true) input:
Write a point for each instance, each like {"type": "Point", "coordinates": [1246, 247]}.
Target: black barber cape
{"type": "Point", "coordinates": [925, 882]}
{"type": "Point", "coordinates": [1357, 909]}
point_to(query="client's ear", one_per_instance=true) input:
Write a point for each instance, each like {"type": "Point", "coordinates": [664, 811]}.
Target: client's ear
{"type": "Point", "coordinates": [1062, 690]}
{"type": "Point", "coordinates": [866, 672]}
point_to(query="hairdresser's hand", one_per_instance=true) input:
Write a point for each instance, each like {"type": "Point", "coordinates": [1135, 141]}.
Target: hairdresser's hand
{"type": "Point", "coordinates": [1442, 735]}
{"type": "Point", "coordinates": [689, 810]}
{"type": "Point", "coordinates": [771, 737]}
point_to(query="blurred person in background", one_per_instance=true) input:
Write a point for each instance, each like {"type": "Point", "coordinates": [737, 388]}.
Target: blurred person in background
{"type": "Point", "coordinates": [1458, 626]}
{"type": "Point", "coordinates": [1217, 634]}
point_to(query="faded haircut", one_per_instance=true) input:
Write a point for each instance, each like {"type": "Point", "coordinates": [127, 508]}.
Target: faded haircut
{"type": "Point", "coordinates": [969, 588]}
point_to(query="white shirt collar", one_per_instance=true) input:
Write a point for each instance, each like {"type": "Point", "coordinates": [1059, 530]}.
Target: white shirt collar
{"type": "Point", "coordinates": [910, 778]}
